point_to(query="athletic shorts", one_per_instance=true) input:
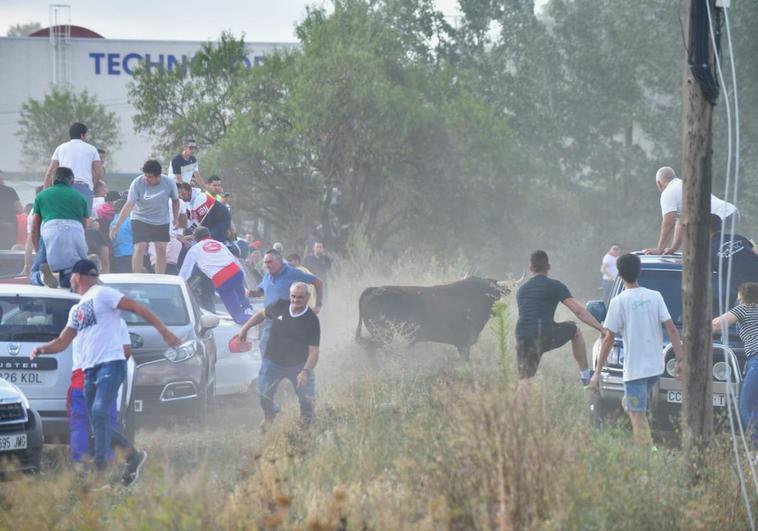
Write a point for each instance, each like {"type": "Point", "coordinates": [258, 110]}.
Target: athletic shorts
{"type": "Point", "coordinates": [529, 349]}
{"type": "Point", "coordinates": [636, 393]}
{"type": "Point", "coordinates": [145, 232]}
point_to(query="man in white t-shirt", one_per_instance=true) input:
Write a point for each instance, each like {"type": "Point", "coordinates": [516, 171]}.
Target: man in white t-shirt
{"type": "Point", "coordinates": [93, 326]}
{"type": "Point", "coordinates": [82, 158]}
{"type": "Point", "coordinates": [638, 314]}
{"type": "Point", "coordinates": [609, 271]}
{"type": "Point", "coordinates": [670, 187]}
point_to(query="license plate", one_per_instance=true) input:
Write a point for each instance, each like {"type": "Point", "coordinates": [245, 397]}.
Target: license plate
{"type": "Point", "coordinates": [24, 377]}
{"type": "Point", "coordinates": [675, 397]}
{"type": "Point", "coordinates": [9, 443]}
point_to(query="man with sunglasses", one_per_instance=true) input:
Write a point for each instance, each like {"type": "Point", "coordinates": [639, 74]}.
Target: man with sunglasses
{"type": "Point", "coordinates": [291, 352]}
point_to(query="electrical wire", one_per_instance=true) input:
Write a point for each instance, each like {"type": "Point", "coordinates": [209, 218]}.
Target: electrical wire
{"type": "Point", "coordinates": [723, 298]}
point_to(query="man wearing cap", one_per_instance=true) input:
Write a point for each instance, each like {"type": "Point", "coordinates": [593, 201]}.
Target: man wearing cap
{"type": "Point", "coordinates": [276, 284]}
{"type": "Point", "coordinates": [670, 187]}
{"type": "Point", "coordinates": [216, 262]}
{"type": "Point", "coordinates": [93, 327]}
{"type": "Point", "coordinates": [291, 353]}
{"type": "Point", "coordinates": [60, 217]}
{"type": "Point", "coordinates": [184, 167]}
{"type": "Point", "coordinates": [153, 201]}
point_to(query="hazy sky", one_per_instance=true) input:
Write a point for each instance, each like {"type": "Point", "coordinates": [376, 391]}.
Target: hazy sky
{"type": "Point", "coordinates": [191, 20]}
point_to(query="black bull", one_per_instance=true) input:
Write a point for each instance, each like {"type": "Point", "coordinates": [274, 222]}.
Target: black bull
{"type": "Point", "coordinates": [454, 314]}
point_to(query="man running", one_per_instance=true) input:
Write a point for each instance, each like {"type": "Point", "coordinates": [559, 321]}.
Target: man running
{"type": "Point", "coordinates": [536, 331]}
{"type": "Point", "coordinates": [94, 328]}
{"type": "Point", "coordinates": [218, 263]}
{"type": "Point", "coordinates": [291, 353]}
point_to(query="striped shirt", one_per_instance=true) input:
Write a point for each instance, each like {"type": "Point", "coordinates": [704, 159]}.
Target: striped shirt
{"type": "Point", "coordinates": [747, 317]}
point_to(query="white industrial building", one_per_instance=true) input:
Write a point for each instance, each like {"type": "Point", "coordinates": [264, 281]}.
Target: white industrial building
{"type": "Point", "coordinates": [84, 60]}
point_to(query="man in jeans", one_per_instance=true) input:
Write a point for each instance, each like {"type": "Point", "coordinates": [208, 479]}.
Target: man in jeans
{"type": "Point", "coordinates": [153, 202]}
{"type": "Point", "coordinates": [291, 352]}
{"type": "Point", "coordinates": [60, 217]}
{"type": "Point", "coordinates": [94, 327]}
{"type": "Point", "coordinates": [638, 313]}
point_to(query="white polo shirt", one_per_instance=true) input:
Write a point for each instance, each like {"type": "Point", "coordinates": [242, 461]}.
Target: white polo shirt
{"type": "Point", "coordinates": [79, 156]}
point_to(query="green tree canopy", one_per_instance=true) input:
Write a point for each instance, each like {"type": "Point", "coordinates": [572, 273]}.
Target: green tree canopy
{"type": "Point", "coordinates": [43, 124]}
{"type": "Point", "coordinates": [23, 30]}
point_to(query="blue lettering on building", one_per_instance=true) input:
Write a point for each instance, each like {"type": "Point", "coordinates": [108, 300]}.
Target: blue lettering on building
{"type": "Point", "coordinates": [114, 64]}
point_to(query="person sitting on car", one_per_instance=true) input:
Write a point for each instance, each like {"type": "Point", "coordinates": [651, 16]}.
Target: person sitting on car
{"type": "Point", "coordinates": [637, 313]}
{"type": "Point", "coordinates": [216, 262]}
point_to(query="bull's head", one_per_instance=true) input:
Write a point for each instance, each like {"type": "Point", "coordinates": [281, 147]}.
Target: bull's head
{"type": "Point", "coordinates": [506, 286]}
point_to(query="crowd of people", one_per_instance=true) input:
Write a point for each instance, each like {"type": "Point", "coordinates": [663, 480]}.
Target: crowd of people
{"type": "Point", "coordinates": [175, 223]}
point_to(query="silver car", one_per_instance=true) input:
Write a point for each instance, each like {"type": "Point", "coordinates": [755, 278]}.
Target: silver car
{"type": "Point", "coordinates": [31, 316]}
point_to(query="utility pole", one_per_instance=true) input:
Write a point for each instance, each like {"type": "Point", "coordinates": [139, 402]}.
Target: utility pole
{"type": "Point", "coordinates": [697, 114]}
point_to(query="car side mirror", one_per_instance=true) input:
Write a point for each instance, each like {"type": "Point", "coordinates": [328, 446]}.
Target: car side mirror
{"type": "Point", "coordinates": [597, 309]}
{"type": "Point", "coordinates": [136, 340]}
{"type": "Point", "coordinates": [208, 321]}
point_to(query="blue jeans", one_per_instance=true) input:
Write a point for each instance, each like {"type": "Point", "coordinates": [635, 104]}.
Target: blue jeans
{"type": "Point", "coordinates": [39, 259]}
{"type": "Point", "coordinates": [232, 293]}
{"type": "Point", "coordinates": [636, 393]}
{"type": "Point", "coordinates": [270, 375]}
{"type": "Point", "coordinates": [86, 191]}
{"type": "Point", "coordinates": [101, 384]}
{"type": "Point", "coordinates": [265, 333]}
{"type": "Point", "coordinates": [749, 399]}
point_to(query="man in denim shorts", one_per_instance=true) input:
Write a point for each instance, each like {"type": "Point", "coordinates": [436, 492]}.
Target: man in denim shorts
{"type": "Point", "coordinates": [637, 313]}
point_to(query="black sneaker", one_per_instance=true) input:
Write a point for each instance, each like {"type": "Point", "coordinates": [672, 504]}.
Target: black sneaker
{"type": "Point", "coordinates": [133, 465]}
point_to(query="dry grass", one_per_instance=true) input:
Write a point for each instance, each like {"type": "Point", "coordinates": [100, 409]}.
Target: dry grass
{"type": "Point", "coordinates": [424, 442]}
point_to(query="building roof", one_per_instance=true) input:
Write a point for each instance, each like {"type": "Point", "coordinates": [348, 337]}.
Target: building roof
{"type": "Point", "coordinates": [76, 31]}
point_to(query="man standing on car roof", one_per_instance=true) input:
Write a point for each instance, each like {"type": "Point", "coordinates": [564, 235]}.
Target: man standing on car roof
{"type": "Point", "coordinates": [638, 313]}
{"type": "Point", "coordinates": [217, 263]}
{"type": "Point", "coordinates": [93, 326]}
{"type": "Point", "coordinates": [276, 284]}
{"type": "Point", "coordinates": [184, 167]}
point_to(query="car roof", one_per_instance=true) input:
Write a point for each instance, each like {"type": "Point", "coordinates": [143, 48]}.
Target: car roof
{"type": "Point", "coordinates": [656, 261]}
{"type": "Point", "coordinates": [140, 278]}
{"type": "Point", "coordinates": [28, 290]}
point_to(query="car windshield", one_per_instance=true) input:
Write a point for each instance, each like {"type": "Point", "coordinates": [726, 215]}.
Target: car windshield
{"type": "Point", "coordinates": [32, 318]}
{"type": "Point", "coordinates": [165, 300]}
{"type": "Point", "coordinates": [669, 284]}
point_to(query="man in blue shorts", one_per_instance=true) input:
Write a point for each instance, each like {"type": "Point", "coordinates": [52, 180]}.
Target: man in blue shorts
{"type": "Point", "coordinates": [637, 313]}
{"type": "Point", "coordinates": [275, 286]}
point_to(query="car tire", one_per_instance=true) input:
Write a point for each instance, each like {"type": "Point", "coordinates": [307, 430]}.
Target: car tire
{"type": "Point", "coordinates": [35, 458]}
{"type": "Point", "coordinates": [600, 411]}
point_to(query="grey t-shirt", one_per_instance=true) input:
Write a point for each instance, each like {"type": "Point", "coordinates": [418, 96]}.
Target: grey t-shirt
{"type": "Point", "coordinates": [152, 203]}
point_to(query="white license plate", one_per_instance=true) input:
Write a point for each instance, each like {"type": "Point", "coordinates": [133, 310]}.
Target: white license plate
{"type": "Point", "coordinates": [24, 377]}
{"type": "Point", "coordinates": [9, 443]}
{"type": "Point", "coordinates": [675, 397]}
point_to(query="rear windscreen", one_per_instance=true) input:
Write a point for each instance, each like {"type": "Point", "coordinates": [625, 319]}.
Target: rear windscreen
{"type": "Point", "coordinates": [32, 318]}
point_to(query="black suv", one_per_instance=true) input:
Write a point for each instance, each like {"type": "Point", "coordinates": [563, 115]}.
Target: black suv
{"type": "Point", "coordinates": [663, 274]}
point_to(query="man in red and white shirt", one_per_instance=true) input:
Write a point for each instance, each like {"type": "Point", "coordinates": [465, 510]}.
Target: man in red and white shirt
{"type": "Point", "coordinates": [216, 262]}
{"type": "Point", "coordinates": [204, 210]}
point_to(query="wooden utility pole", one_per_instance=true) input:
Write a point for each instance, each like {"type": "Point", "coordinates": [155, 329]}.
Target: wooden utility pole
{"type": "Point", "coordinates": [697, 114]}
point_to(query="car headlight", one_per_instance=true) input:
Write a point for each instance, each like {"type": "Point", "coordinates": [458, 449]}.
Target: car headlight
{"type": "Point", "coordinates": [181, 353]}
{"type": "Point", "coordinates": [22, 396]}
{"type": "Point", "coordinates": [671, 367]}
{"type": "Point", "coordinates": [721, 371]}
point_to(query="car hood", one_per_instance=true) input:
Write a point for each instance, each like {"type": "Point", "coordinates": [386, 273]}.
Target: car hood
{"type": "Point", "coordinates": [9, 392]}
{"type": "Point", "coordinates": [152, 339]}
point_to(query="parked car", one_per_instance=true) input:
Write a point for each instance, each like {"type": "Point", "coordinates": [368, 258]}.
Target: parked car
{"type": "Point", "coordinates": [31, 316]}
{"type": "Point", "coordinates": [663, 274]}
{"type": "Point", "coordinates": [169, 381]}
{"type": "Point", "coordinates": [21, 436]}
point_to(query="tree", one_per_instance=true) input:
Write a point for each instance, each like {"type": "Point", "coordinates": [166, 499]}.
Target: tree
{"type": "Point", "coordinates": [43, 124]}
{"type": "Point", "coordinates": [190, 100]}
{"type": "Point", "coordinates": [23, 30]}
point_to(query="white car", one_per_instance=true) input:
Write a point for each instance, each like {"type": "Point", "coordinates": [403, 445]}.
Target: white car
{"type": "Point", "coordinates": [235, 372]}
{"type": "Point", "coordinates": [20, 431]}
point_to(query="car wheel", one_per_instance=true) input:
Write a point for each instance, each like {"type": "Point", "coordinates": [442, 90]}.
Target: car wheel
{"type": "Point", "coordinates": [600, 411]}
{"type": "Point", "coordinates": [35, 458]}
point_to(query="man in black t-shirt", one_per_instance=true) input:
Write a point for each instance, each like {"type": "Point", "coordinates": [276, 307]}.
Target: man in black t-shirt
{"type": "Point", "coordinates": [184, 167]}
{"type": "Point", "coordinates": [318, 263]}
{"type": "Point", "coordinates": [9, 207]}
{"type": "Point", "coordinates": [291, 352]}
{"type": "Point", "coordinates": [742, 253]}
{"type": "Point", "coordinates": [536, 331]}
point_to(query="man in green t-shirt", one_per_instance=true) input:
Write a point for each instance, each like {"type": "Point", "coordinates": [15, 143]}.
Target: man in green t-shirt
{"type": "Point", "coordinates": [60, 217]}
